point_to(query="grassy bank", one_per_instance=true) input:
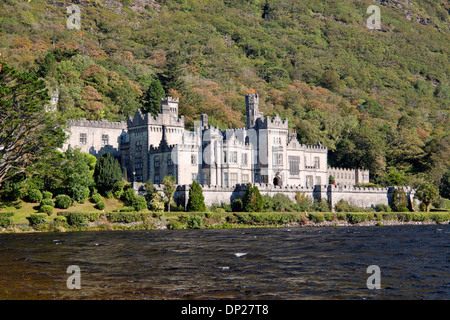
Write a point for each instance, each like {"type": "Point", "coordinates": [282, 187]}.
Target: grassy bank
{"type": "Point", "coordinates": [71, 220]}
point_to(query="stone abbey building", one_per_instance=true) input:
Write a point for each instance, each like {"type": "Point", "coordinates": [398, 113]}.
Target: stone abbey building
{"type": "Point", "coordinates": [265, 151]}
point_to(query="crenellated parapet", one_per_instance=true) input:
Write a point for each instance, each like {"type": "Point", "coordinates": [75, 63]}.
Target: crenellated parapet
{"type": "Point", "coordinates": [97, 124]}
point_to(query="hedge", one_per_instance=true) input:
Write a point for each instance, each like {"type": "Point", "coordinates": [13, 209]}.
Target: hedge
{"type": "Point", "coordinates": [127, 217]}
{"type": "Point", "coordinates": [90, 216]}
{"type": "Point", "coordinates": [36, 219]}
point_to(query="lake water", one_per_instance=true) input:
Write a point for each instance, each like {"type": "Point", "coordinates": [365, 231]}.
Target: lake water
{"type": "Point", "coordinates": [281, 263]}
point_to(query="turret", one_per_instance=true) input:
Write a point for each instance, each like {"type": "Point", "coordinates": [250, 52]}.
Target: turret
{"type": "Point", "coordinates": [252, 108]}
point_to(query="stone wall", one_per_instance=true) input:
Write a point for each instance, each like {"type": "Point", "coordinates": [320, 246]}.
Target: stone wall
{"type": "Point", "coordinates": [360, 197]}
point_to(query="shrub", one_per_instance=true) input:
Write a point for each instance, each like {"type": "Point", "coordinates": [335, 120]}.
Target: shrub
{"type": "Point", "coordinates": [243, 218]}
{"type": "Point", "coordinates": [60, 219]}
{"type": "Point", "coordinates": [127, 217]}
{"type": "Point", "coordinates": [405, 217]}
{"type": "Point", "coordinates": [389, 216]}
{"type": "Point", "coordinates": [5, 221]}
{"type": "Point", "coordinates": [63, 201]}
{"type": "Point", "coordinates": [355, 218]}
{"type": "Point", "coordinates": [33, 195]}
{"type": "Point", "coordinates": [236, 205]}
{"type": "Point", "coordinates": [127, 209]}
{"type": "Point", "coordinates": [47, 195]}
{"type": "Point", "coordinates": [118, 189]}
{"type": "Point", "coordinates": [6, 214]}
{"type": "Point", "coordinates": [36, 219]}
{"type": "Point", "coordinates": [341, 216]}
{"type": "Point", "coordinates": [100, 205]}
{"type": "Point", "coordinates": [419, 217]}
{"type": "Point", "coordinates": [382, 208]}
{"type": "Point", "coordinates": [46, 209]}
{"type": "Point", "coordinates": [109, 195]}
{"type": "Point", "coordinates": [156, 203]}
{"type": "Point", "coordinates": [316, 217]}
{"type": "Point", "coordinates": [173, 225]}
{"type": "Point", "coordinates": [96, 198]}
{"type": "Point", "coordinates": [330, 216]}
{"type": "Point", "coordinates": [195, 222]}
{"type": "Point", "coordinates": [439, 217]}
{"type": "Point", "coordinates": [80, 194]}
{"type": "Point", "coordinates": [344, 206]}
{"type": "Point", "coordinates": [140, 203]}
{"type": "Point", "coordinates": [47, 202]}
{"type": "Point", "coordinates": [128, 197]}
{"type": "Point", "coordinates": [76, 219]}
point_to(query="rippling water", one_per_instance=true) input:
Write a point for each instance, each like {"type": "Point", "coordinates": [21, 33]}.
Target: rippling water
{"type": "Point", "coordinates": [297, 263]}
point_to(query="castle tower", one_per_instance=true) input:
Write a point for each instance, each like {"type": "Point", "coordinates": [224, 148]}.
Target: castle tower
{"type": "Point", "coordinates": [252, 109]}
{"type": "Point", "coordinates": [169, 105]}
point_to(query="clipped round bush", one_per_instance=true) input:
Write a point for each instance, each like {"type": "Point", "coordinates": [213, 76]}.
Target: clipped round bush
{"type": "Point", "coordinates": [34, 195]}
{"type": "Point", "coordinates": [46, 209]}
{"type": "Point", "coordinates": [63, 201]}
{"type": "Point", "coordinates": [47, 195]}
{"type": "Point", "coordinates": [96, 198]}
{"type": "Point", "coordinates": [47, 202]}
{"type": "Point", "coordinates": [100, 205]}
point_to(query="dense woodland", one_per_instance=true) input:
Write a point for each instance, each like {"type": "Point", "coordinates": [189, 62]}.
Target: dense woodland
{"type": "Point", "coordinates": [377, 99]}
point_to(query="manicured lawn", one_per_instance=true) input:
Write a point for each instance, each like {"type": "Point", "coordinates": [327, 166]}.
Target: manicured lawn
{"type": "Point", "coordinates": [23, 209]}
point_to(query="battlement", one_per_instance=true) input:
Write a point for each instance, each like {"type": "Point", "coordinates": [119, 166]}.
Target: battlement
{"type": "Point", "coordinates": [316, 148]}
{"type": "Point", "coordinates": [168, 100]}
{"type": "Point", "coordinates": [97, 124]}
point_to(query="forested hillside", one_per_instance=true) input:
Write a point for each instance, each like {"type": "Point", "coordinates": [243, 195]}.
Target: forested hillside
{"type": "Point", "coordinates": [376, 98]}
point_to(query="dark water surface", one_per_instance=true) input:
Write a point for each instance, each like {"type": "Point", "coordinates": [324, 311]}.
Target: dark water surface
{"type": "Point", "coordinates": [297, 263]}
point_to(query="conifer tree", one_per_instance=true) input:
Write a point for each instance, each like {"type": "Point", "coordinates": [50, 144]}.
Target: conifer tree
{"type": "Point", "coordinates": [196, 200]}
{"type": "Point", "coordinates": [107, 173]}
{"type": "Point", "coordinates": [151, 101]}
{"type": "Point", "coordinates": [253, 200]}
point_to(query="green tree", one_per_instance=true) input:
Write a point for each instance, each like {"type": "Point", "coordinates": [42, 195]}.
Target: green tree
{"type": "Point", "coordinates": [399, 201]}
{"type": "Point", "coordinates": [169, 189]}
{"type": "Point", "coordinates": [107, 173]}
{"type": "Point", "coordinates": [427, 193]}
{"type": "Point", "coordinates": [27, 132]}
{"type": "Point", "coordinates": [196, 200]}
{"type": "Point", "coordinates": [171, 77]}
{"type": "Point", "coordinates": [151, 101]}
{"type": "Point", "coordinates": [253, 200]}
{"type": "Point", "coordinates": [444, 188]}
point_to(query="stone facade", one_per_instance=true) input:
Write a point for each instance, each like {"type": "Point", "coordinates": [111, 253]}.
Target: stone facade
{"type": "Point", "coordinates": [95, 137]}
{"type": "Point", "coordinates": [263, 152]}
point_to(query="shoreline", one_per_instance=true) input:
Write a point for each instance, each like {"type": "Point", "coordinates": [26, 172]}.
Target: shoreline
{"type": "Point", "coordinates": [183, 220]}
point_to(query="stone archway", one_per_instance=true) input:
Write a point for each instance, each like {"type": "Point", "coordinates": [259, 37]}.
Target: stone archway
{"type": "Point", "coordinates": [277, 180]}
